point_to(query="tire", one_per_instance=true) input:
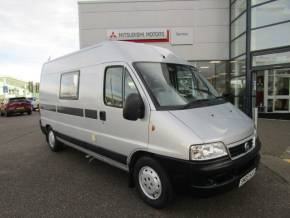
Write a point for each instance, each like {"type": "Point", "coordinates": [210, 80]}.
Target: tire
{"type": "Point", "coordinates": [29, 112]}
{"type": "Point", "coordinates": [6, 114]}
{"type": "Point", "coordinates": [52, 141]}
{"type": "Point", "coordinates": [149, 176]}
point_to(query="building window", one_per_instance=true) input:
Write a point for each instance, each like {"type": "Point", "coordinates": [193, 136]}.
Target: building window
{"type": "Point", "coordinates": [69, 85]}
{"type": "Point", "coordinates": [272, 90]}
{"type": "Point", "coordinates": [238, 88]}
{"type": "Point", "coordinates": [238, 66]}
{"type": "Point", "coordinates": [215, 72]}
{"type": "Point", "coordinates": [238, 46]}
{"type": "Point", "coordinates": [271, 59]}
{"type": "Point", "coordinates": [238, 26]}
{"type": "Point", "coordinates": [270, 37]}
{"type": "Point", "coordinates": [270, 13]}
{"type": "Point", "coordinates": [255, 2]}
{"type": "Point", "coordinates": [239, 101]}
{"type": "Point", "coordinates": [238, 85]}
{"type": "Point", "coordinates": [238, 7]}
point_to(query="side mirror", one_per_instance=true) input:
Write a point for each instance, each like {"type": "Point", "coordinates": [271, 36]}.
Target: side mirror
{"type": "Point", "coordinates": [134, 107]}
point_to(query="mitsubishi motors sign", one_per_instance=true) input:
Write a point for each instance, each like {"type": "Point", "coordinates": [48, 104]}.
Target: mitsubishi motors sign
{"type": "Point", "coordinates": [139, 35]}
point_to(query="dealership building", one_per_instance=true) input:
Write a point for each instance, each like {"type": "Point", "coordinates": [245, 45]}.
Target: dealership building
{"type": "Point", "coordinates": [241, 46]}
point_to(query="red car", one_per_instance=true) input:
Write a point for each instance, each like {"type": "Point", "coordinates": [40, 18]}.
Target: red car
{"type": "Point", "coordinates": [15, 105]}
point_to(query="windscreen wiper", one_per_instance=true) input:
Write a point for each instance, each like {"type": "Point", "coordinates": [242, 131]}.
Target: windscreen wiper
{"type": "Point", "coordinates": [192, 103]}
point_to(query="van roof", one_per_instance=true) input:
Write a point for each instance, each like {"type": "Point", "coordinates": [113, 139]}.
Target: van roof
{"type": "Point", "coordinates": [113, 51]}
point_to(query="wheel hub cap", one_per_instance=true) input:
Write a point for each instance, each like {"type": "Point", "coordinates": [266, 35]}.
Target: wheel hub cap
{"type": "Point", "coordinates": [150, 182]}
{"type": "Point", "coordinates": [51, 139]}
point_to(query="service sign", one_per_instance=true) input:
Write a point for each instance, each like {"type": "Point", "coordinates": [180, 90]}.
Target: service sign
{"type": "Point", "coordinates": [139, 35]}
{"type": "Point", "coordinates": [182, 36]}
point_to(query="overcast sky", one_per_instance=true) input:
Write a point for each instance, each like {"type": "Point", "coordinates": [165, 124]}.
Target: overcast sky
{"type": "Point", "coordinates": [31, 31]}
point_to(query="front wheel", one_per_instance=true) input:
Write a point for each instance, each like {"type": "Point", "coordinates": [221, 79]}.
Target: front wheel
{"type": "Point", "coordinates": [152, 182]}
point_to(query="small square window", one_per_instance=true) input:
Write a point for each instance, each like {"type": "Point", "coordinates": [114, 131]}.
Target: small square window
{"type": "Point", "coordinates": [69, 85]}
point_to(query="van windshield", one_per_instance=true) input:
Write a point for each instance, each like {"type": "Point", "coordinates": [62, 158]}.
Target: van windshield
{"type": "Point", "coordinates": [176, 85]}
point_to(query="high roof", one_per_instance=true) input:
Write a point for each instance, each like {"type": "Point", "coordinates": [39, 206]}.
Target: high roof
{"type": "Point", "coordinates": [109, 51]}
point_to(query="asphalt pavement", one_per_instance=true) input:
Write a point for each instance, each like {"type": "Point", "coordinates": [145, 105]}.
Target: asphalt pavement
{"type": "Point", "coordinates": [35, 182]}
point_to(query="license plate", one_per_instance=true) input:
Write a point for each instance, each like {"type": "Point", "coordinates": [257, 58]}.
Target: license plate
{"type": "Point", "coordinates": [20, 108]}
{"type": "Point", "coordinates": [247, 177]}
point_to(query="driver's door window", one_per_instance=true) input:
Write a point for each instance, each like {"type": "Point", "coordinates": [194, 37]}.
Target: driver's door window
{"type": "Point", "coordinates": [129, 85]}
{"type": "Point", "coordinates": [118, 86]}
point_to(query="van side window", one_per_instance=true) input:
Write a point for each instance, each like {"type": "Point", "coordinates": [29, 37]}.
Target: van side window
{"type": "Point", "coordinates": [113, 86]}
{"type": "Point", "coordinates": [69, 85]}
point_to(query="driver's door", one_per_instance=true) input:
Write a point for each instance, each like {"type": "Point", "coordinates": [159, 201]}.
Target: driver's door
{"type": "Point", "coordinates": [118, 134]}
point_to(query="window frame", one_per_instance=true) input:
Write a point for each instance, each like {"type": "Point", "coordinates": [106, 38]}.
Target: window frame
{"type": "Point", "coordinates": [255, 36]}
{"type": "Point", "coordinates": [123, 83]}
{"type": "Point", "coordinates": [169, 108]}
{"type": "Point", "coordinates": [124, 69]}
{"type": "Point", "coordinates": [232, 9]}
{"type": "Point", "coordinates": [77, 72]}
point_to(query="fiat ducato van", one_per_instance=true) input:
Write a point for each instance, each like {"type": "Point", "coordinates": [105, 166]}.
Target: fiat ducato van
{"type": "Point", "coordinates": [144, 110]}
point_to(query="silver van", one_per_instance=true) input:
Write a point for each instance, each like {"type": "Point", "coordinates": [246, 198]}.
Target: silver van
{"type": "Point", "coordinates": [146, 111]}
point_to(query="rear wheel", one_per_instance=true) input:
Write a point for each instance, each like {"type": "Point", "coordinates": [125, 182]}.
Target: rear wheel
{"type": "Point", "coordinates": [152, 182]}
{"type": "Point", "coordinates": [6, 114]}
{"type": "Point", "coordinates": [52, 141]}
{"type": "Point", "coordinates": [29, 112]}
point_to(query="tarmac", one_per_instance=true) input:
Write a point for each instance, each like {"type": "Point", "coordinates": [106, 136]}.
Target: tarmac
{"type": "Point", "coordinates": [275, 137]}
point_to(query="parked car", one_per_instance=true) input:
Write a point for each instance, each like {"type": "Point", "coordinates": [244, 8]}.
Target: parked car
{"type": "Point", "coordinates": [15, 106]}
{"type": "Point", "coordinates": [145, 110]}
{"type": "Point", "coordinates": [35, 102]}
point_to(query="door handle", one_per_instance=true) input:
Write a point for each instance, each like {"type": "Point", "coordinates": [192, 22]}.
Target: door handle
{"type": "Point", "coordinates": [103, 115]}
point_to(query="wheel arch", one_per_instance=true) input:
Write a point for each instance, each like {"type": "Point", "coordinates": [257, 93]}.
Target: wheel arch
{"type": "Point", "coordinates": [132, 161]}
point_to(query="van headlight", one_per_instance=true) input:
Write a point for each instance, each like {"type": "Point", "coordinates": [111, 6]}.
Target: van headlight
{"type": "Point", "coordinates": [208, 151]}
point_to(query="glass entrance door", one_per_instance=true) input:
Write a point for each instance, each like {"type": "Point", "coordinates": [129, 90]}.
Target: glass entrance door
{"type": "Point", "coordinates": [279, 80]}
{"type": "Point", "coordinates": [272, 91]}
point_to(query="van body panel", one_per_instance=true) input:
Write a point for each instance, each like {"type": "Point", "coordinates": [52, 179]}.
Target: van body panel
{"type": "Point", "coordinates": [171, 137]}
{"type": "Point", "coordinates": [219, 123]}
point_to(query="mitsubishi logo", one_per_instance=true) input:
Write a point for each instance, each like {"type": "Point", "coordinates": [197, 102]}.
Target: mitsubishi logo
{"type": "Point", "coordinates": [247, 146]}
{"type": "Point", "coordinates": [113, 36]}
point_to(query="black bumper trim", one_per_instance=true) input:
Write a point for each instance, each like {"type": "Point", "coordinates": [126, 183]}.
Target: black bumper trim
{"type": "Point", "coordinates": [212, 174]}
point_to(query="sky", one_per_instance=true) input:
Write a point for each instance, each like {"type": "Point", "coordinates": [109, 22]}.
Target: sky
{"type": "Point", "coordinates": [32, 31]}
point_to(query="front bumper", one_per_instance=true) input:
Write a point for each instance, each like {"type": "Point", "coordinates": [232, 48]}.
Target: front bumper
{"type": "Point", "coordinates": [219, 174]}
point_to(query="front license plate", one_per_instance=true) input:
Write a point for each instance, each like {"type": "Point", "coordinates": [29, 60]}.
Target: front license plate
{"type": "Point", "coordinates": [247, 177]}
{"type": "Point", "coordinates": [20, 108]}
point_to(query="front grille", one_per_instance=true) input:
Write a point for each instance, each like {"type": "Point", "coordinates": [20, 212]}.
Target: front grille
{"type": "Point", "coordinates": [241, 148]}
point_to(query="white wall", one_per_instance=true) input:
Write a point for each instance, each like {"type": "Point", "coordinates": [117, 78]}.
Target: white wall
{"type": "Point", "coordinates": [208, 18]}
